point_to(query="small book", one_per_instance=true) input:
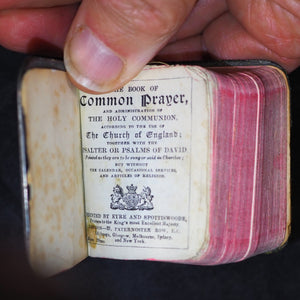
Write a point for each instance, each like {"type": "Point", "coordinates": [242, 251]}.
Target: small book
{"type": "Point", "coordinates": [185, 163]}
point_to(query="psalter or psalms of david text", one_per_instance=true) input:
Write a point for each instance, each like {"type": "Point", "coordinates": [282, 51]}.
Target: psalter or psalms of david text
{"type": "Point", "coordinates": [183, 164]}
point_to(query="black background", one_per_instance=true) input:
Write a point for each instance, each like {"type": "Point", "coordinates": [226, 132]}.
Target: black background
{"type": "Point", "coordinates": [266, 276]}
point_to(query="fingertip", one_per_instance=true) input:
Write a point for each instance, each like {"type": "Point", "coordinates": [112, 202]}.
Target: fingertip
{"type": "Point", "coordinates": [103, 54]}
{"type": "Point", "coordinates": [91, 64]}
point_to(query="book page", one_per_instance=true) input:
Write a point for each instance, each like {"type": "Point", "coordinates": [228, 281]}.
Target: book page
{"type": "Point", "coordinates": [50, 108]}
{"type": "Point", "coordinates": [145, 159]}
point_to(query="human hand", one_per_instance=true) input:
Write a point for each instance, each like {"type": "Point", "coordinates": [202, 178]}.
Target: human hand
{"type": "Point", "coordinates": [107, 42]}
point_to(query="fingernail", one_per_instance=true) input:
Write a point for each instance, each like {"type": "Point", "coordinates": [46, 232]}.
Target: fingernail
{"type": "Point", "coordinates": [90, 62]}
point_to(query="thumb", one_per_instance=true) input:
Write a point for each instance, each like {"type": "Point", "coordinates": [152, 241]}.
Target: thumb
{"type": "Point", "coordinates": [111, 40]}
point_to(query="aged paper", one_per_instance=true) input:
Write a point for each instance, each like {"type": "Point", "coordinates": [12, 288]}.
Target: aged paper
{"type": "Point", "coordinates": [143, 147]}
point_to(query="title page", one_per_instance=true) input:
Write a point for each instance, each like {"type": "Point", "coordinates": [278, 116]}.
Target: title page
{"type": "Point", "coordinates": [137, 150]}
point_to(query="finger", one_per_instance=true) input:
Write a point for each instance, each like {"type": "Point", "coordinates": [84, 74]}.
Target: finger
{"type": "Point", "coordinates": [204, 12]}
{"type": "Point", "coordinates": [12, 4]}
{"type": "Point", "coordinates": [226, 38]}
{"type": "Point", "coordinates": [189, 49]}
{"type": "Point", "coordinates": [38, 31]}
{"type": "Point", "coordinates": [110, 41]}
{"type": "Point", "coordinates": [275, 24]}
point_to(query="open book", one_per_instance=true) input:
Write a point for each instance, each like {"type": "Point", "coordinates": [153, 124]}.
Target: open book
{"type": "Point", "coordinates": [183, 164]}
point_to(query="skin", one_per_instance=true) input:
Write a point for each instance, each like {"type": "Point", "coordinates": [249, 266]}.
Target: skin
{"type": "Point", "coordinates": [136, 31]}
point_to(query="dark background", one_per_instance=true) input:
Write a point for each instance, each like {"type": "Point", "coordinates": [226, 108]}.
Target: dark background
{"type": "Point", "coordinates": [266, 276]}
